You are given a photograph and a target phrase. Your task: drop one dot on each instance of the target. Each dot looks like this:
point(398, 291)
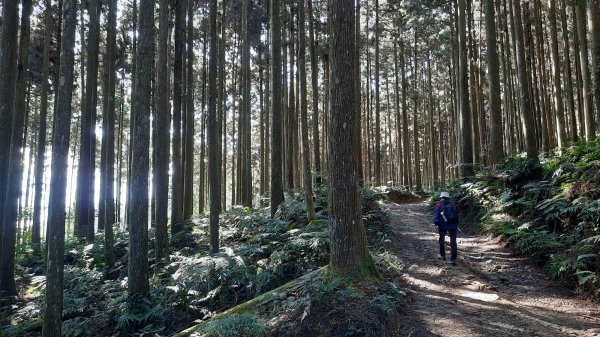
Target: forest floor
point(491, 291)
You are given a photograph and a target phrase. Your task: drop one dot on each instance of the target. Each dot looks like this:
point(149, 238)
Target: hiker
point(445, 218)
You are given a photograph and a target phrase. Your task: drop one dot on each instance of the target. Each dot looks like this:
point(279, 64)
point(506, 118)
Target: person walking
point(445, 218)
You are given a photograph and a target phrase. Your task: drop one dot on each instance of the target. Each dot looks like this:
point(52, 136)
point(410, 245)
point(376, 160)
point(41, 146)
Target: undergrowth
point(258, 254)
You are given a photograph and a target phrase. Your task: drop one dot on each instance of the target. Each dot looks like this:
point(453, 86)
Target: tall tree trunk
point(87, 153)
point(464, 122)
point(496, 144)
point(526, 114)
point(58, 183)
point(108, 134)
point(290, 155)
point(41, 142)
point(349, 253)
point(418, 178)
point(593, 13)
point(308, 191)
point(11, 205)
point(189, 144)
point(246, 182)
point(432, 131)
point(377, 103)
point(403, 178)
point(476, 146)
point(161, 148)
point(202, 176)
point(314, 76)
point(405, 135)
point(214, 150)
point(276, 108)
point(8, 62)
point(578, 75)
point(588, 104)
point(558, 98)
point(176, 147)
point(568, 76)
point(138, 285)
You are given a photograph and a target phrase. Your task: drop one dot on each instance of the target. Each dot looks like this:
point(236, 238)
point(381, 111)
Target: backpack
point(450, 214)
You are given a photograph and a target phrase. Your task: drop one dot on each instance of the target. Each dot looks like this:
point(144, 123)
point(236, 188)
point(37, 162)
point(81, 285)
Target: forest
point(269, 168)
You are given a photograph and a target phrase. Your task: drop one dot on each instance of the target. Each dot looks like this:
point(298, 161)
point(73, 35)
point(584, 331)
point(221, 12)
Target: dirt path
point(489, 293)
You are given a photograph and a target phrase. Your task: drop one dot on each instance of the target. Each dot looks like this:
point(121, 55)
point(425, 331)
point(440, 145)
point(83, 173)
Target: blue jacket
point(438, 219)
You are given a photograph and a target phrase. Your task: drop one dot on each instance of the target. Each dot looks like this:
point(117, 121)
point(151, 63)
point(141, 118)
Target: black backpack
point(449, 212)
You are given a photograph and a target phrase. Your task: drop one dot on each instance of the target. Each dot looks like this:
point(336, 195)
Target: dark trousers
point(453, 247)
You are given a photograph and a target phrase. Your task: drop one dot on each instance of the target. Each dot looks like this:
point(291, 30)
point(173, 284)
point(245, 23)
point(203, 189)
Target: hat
point(444, 195)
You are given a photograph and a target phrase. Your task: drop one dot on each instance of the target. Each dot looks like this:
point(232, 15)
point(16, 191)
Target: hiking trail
point(491, 292)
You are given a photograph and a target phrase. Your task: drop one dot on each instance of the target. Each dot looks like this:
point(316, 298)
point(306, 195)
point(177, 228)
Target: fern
point(236, 325)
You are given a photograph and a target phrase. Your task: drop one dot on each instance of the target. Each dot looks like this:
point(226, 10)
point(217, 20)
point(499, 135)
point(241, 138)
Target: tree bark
point(58, 182)
point(276, 108)
point(593, 14)
point(214, 150)
point(41, 142)
point(526, 114)
point(11, 205)
point(418, 178)
point(87, 152)
point(176, 147)
point(161, 148)
point(377, 103)
point(308, 190)
point(246, 182)
point(138, 285)
point(588, 104)
point(464, 122)
point(496, 139)
point(189, 144)
point(568, 75)
point(314, 76)
point(8, 62)
point(108, 135)
point(558, 98)
point(349, 253)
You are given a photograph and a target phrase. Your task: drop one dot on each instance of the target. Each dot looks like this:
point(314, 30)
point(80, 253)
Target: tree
point(161, 148)
point(87, 151)
point(9, 221)
point(464, 121)
point(496, 141)
point(593, 14)
point(524, 95)
point(176, 147)
point(349, 253)
point(246, 158)
point(214, 149)
point(188, 184)
point(588, 104)
point(8, 59)
point(138, 286)
point(314, 77)
point(558, 99)
point(308, 191)
point(108, 135)
point(58, 182)
point(276, 107)
point(377, 103)
point(41, 142)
